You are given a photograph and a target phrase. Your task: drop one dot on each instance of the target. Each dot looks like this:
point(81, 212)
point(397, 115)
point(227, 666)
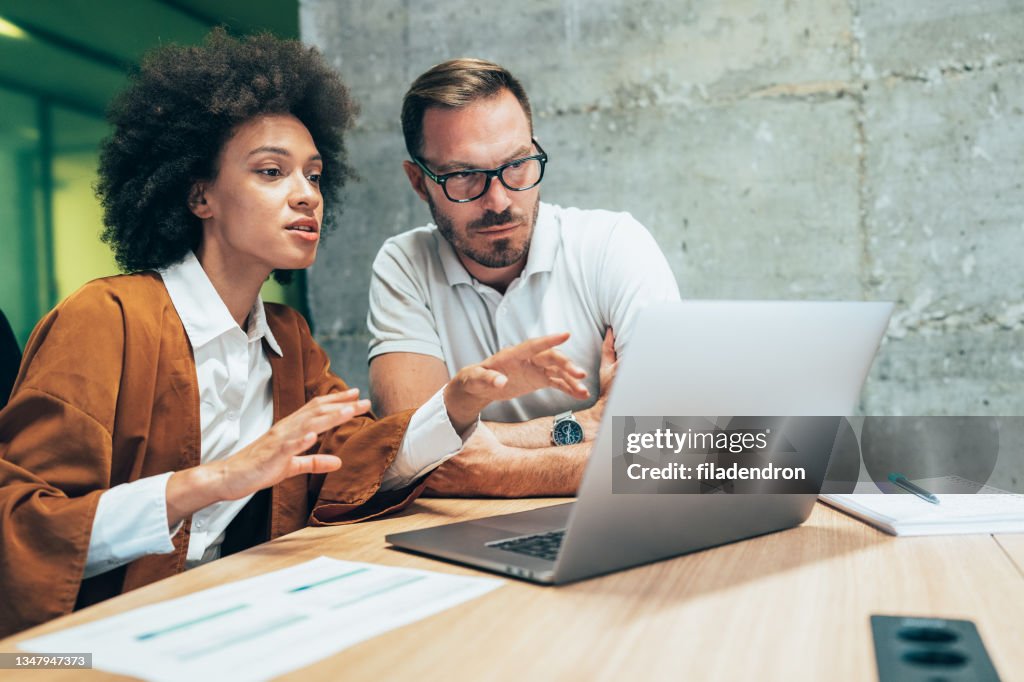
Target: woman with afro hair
point(166, 417)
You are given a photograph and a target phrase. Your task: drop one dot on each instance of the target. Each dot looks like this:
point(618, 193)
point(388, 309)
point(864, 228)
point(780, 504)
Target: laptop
point(692, 358)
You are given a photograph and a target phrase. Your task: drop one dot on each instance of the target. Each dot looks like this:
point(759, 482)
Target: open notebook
point(988, 510)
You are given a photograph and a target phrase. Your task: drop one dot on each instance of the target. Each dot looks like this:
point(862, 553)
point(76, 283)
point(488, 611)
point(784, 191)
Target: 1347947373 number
point(15, 661)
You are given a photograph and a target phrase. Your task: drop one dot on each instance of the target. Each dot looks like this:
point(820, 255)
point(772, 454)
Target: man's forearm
point(539, 472)
point(558, 473)
point(536, 433)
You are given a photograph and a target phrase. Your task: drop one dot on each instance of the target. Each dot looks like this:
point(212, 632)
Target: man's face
point(492, 233)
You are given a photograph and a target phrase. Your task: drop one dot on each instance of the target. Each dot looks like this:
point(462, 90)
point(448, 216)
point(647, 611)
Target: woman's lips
point(307, 236)
point(308, 225)
point(306, 229)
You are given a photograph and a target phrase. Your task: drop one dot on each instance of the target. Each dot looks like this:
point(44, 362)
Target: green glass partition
point(26, 287)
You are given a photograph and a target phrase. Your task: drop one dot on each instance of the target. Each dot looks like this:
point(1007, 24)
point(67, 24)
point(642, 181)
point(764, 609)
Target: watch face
point(568, 432)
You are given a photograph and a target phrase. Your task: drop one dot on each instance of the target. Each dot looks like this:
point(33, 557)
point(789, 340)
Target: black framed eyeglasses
point(463, 186)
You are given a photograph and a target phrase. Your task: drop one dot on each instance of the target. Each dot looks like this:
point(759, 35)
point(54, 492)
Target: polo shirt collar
point(544, 244)
point(201, 309)
point(543, 249)
point(454, 270)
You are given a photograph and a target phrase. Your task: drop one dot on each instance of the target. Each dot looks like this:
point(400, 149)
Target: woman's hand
point(278, 454)
point(510, 373)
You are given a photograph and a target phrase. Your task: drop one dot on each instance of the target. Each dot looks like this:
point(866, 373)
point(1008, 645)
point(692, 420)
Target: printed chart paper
point(266, 626)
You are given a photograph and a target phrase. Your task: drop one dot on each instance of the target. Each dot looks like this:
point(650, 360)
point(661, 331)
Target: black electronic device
point(930, 649)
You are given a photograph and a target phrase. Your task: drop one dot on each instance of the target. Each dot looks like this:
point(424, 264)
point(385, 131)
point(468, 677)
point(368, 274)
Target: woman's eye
point(272, 172)
point(314, 178)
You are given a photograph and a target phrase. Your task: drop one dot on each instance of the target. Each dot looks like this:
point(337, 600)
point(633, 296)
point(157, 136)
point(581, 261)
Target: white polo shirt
point(586, 271)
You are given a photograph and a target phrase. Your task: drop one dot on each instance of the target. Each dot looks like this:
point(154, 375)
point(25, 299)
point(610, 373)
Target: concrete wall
point(840, 149)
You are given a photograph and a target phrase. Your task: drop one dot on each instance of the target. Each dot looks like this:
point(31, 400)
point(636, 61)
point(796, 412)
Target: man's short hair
point(452, 85)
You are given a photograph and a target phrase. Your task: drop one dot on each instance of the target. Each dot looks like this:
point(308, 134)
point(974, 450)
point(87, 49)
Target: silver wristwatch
point(566, 430)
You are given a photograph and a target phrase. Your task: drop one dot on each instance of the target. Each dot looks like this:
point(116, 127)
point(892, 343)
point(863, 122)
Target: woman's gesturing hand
point(510, 373)
point(278, 454)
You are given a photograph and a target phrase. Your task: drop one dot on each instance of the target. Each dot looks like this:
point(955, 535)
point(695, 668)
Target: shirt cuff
point(429, 441)
point(130, 522)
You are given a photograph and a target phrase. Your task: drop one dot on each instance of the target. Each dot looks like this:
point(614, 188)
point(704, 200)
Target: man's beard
point(502, 252)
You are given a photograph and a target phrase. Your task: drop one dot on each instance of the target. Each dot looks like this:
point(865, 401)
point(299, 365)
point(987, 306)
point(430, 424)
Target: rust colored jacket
point(107, 394)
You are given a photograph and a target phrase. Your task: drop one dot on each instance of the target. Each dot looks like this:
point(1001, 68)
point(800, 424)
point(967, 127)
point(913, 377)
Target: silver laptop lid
point(718, 358)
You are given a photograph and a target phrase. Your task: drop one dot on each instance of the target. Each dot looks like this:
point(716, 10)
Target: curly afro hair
point(180, 109)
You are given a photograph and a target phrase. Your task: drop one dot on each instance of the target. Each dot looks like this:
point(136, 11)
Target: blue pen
point(903, 482)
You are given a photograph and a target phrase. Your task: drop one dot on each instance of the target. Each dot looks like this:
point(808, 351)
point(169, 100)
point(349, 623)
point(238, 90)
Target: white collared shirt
point(235, 408)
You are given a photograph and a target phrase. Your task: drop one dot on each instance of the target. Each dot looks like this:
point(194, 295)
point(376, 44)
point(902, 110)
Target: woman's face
point(264, 209)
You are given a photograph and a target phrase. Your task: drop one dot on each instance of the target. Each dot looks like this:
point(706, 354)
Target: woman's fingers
point(558, 366)
point(563, 374)
point(281, 452)
point(313, 464)
point(297, 446)
point(557, 360)
point(561, 384)
point(324, 413)
point(543, 343)
point(332, 398)
point(328, 416)
point(480, 379)
point(573, 388)
point(520, 369)
point(329, 404)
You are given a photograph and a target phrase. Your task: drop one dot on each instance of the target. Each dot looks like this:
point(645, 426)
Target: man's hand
point(278, 454)
point(590, 418)
point(480, 469)
point(510, 373)
point(487, 468)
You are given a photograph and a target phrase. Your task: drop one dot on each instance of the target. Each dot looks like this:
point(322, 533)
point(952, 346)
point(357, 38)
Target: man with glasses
point(498, 267)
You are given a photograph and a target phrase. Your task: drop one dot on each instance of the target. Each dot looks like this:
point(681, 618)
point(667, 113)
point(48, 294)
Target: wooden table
point(792, 605)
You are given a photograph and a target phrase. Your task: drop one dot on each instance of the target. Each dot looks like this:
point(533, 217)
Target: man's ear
point(416, 178)
point(197, 201)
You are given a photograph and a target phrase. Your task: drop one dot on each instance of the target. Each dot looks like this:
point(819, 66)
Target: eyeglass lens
point(517, 176)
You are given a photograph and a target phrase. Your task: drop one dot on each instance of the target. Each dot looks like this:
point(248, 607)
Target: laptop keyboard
point(543, 545)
